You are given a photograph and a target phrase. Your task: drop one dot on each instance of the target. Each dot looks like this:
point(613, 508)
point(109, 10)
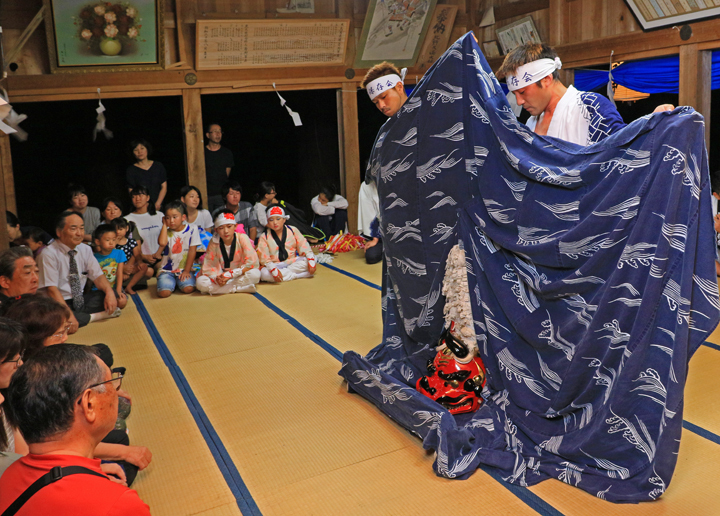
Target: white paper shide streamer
point(295, 116)
point(100, 126)
point(10, 120)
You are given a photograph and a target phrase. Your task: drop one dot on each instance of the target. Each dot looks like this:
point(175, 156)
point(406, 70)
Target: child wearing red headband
point(284, 253)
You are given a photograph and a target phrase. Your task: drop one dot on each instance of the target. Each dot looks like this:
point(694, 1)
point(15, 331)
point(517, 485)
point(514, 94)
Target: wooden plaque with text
point(227, 44)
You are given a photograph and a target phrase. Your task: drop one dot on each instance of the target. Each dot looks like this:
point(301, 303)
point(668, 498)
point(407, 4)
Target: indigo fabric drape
point(591, 276)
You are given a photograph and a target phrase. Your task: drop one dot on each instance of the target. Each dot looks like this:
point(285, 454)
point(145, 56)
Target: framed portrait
point(394, 31)
point(653, 14)
point(516, 34)
point(104, 36)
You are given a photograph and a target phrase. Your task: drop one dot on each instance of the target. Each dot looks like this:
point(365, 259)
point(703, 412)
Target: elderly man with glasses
point(64, 401)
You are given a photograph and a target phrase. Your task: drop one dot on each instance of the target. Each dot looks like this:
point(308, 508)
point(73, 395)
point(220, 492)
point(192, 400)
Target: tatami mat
point(161, 421)
point(301, 443)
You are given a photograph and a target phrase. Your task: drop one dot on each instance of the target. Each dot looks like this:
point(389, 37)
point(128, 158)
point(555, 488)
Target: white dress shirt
point(338, 202)
point(54, 267)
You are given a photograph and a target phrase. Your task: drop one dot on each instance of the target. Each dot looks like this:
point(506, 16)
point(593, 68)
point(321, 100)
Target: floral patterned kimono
point(299, 256)
point(244, 267)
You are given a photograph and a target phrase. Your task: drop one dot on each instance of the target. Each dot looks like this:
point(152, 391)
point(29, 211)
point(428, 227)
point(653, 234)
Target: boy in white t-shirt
point(178, 241)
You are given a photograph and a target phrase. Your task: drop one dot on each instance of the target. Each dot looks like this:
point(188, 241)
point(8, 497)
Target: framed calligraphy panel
point(438, 36)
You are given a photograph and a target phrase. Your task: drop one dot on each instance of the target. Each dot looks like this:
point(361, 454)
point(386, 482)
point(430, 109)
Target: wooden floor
point(239, 400)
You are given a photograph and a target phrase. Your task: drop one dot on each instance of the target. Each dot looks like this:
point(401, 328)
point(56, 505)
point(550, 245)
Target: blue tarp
point(659, 75)
point(591, 272)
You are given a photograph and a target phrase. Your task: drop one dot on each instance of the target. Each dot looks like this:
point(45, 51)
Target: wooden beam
point(628, 46)
point(194, 146)
point(558, 22)
point(6, 173)
point(349, 136)
point(182, 54)
point(695, 82)
point(504, 12)
point(25, 36)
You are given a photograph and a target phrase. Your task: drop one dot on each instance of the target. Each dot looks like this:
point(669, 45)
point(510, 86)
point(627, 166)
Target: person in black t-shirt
point(146, 172)
point(218, 163)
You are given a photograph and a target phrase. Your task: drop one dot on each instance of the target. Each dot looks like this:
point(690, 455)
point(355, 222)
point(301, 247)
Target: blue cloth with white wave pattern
point(591, 274)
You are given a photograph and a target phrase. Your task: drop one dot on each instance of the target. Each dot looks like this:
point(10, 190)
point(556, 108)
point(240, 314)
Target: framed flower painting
point(95, 35)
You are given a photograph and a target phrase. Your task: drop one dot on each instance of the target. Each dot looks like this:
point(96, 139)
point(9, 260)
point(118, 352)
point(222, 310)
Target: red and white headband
point(277, 211)
point(223, 219)
point(532, 72)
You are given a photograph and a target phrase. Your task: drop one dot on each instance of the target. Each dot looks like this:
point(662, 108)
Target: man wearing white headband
point(231, 263)
point(584, 118)
point(384, 85)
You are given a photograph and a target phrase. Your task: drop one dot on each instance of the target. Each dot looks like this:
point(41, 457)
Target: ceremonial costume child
point(231, 263)
point(284, 253)
point(178, 241)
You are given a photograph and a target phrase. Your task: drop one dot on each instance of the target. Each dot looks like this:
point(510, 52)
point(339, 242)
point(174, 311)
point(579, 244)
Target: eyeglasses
point(63, 333)
point(117, 376)
point(16, 362)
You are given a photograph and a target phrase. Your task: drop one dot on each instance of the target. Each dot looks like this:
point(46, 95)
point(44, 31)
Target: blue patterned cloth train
point(592, 278)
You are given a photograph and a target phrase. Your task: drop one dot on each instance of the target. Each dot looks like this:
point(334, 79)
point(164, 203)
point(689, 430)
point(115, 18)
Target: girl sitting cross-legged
point(284, 253)
point(231, 263)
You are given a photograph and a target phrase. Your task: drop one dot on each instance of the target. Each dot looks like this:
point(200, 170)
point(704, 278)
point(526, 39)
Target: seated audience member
point(18, 273)
point(330, 211)
point(110, 209)
point(148, 222)
point(13, 227)
point(243, 211)
point(265, 197)
point(79, 202)
point(134, 268)
point(36, 239)
point(46, 322)
point(64, 401)
point(64, 268)
point(178, 243)
point(374, 246)
point(231, 263)
point(191, 196)
point(110, 259)
point(12, 345)
point(284, 253)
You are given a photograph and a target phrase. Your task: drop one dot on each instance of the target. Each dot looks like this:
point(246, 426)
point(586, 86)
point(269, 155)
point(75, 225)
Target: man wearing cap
point(531, 71)
point(231, 263)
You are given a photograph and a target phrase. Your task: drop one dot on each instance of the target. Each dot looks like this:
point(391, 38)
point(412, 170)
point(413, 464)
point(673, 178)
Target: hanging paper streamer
point(100, 126)
point(295, 116)
point(10, 120)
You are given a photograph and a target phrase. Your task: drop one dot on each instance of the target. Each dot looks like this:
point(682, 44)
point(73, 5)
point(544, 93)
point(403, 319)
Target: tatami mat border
point(237, 486)
point(711, 345)
point(524, 494)
point(353, 276)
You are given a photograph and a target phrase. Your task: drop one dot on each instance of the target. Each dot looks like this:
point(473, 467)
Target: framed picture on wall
point(652, 14)
point(111, 36)
point(394, 31)
point(517, 33)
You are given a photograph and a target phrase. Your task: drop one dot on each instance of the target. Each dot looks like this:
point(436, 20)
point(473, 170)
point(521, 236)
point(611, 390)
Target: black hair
point(60, 220)
point(187, 189)
point(715, 181)
point(329, 192)
point(40, 315)
point(43, 392)
point(144, 143)
point(73, 190)
point(120, 223)
point(208, 126)
point(12, 219)
point(12, 344)
point(230, 185)
point(143, 190)
point(176, 205)
point(8, 257)
point(101, 230)
point(106, 202)
point(35, 233)
point(265, 188)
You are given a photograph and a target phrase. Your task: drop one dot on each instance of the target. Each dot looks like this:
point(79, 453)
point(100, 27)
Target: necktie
point(75, 286)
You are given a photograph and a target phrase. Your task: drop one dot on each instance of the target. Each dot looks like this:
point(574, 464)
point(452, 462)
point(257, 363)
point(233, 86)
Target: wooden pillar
point(194, 146)
point(695, 82)
point(4, 156)
point(349, 142)
point(558, 22)
point(6, 172)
